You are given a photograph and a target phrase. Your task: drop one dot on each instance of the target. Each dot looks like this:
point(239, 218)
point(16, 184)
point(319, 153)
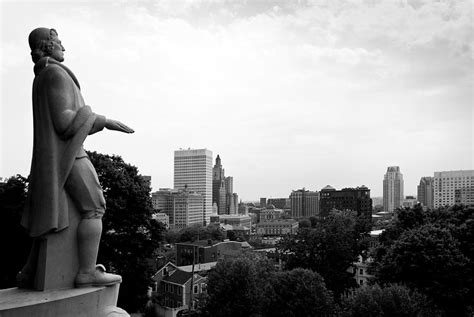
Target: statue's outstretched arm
point(117, 126)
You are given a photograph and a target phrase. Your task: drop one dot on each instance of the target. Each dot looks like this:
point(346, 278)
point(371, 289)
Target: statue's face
point(58, 50)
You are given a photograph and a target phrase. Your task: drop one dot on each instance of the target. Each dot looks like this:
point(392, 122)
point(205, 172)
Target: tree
point(428, 258)
point(198, 232)
point(391, 300)
point(130, 235)
point(14, 255)
point(235, 287)
point(329, 249)
point(298, 292)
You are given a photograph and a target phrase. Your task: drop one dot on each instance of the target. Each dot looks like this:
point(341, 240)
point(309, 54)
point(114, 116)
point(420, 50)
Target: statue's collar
point(46, 61)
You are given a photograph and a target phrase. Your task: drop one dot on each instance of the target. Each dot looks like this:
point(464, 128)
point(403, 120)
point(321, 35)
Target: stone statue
point(60, 169)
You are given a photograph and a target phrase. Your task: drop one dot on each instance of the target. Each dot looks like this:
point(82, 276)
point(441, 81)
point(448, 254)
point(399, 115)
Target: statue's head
point(45, 42)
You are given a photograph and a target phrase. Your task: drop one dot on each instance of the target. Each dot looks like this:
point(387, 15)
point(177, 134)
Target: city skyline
point(291, 94)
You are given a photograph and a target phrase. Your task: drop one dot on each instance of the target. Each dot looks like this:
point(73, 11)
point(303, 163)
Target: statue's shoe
point(97, 278)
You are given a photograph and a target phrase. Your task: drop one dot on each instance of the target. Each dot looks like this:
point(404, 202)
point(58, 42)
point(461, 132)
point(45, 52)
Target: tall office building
point(193, 170)
point(392, 189)
point(184, 208)
point(355, 199)
point(304, 203)
point(223, 190)
point(218, 187)
point(425, 193)
point(448, 185)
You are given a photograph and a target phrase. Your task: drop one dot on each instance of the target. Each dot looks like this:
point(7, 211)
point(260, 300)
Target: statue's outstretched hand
point(117, 126)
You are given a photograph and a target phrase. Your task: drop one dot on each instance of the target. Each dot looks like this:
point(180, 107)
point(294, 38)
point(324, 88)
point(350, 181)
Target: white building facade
point(392, 189)
point(447, 183)
point(193, 170)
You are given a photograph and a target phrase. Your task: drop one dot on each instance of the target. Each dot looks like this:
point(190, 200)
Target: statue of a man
point(60, 167)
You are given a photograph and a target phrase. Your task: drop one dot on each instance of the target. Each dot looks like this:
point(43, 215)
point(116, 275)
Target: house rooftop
point(178, 277)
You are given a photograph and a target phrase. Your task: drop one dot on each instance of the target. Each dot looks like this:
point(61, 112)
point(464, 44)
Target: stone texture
point(92, 301)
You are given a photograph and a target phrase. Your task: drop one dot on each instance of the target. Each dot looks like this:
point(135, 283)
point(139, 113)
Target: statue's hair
point(43, 47)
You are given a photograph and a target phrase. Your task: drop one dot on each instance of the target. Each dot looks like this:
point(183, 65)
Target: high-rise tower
point(392, 189)
point(425, 193)
point(193, 170)
point(218, 187)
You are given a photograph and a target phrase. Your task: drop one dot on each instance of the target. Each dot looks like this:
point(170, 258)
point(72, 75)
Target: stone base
point(91, 301)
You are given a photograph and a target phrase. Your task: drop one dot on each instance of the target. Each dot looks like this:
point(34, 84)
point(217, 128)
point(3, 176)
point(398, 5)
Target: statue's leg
point(84, 188)
point(88, 236)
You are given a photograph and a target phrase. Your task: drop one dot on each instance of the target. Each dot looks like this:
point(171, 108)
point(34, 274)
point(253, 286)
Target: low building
point(184, 208)
point(271, 213)
point(233, 220)
point(409, 202)
point(177, 289)
point(277, 227)
point(360, 271)
point(205, 251)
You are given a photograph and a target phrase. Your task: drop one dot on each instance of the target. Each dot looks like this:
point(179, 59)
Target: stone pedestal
point(91, 301)
point(58, 262)
point(53, 292)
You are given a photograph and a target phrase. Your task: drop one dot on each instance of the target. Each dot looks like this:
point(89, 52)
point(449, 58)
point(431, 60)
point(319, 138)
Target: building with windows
point(304, 203)
point(392, 189)
point(206, 251)
point(184, 208)
point(447, 183)
point(425, 192)
point(193, 170)
point(355, 199)
point(218, 186)
point(277, 227)
point(223, 190)
point(271, 213)
point(233, 220)
point(409, 202)
point(177, 289)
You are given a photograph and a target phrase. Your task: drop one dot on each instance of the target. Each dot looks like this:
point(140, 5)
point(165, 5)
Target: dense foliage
point(329, 248)
point(433, 253)
point(130, 235)
point(250, 286)
point(15, 242)
point(391, 300)
point(197, 232)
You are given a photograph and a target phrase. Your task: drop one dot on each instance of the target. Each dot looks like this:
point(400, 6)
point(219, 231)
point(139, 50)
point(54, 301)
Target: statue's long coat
point(61, 123)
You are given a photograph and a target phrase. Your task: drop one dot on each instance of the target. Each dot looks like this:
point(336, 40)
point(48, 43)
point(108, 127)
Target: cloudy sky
point(291, 94)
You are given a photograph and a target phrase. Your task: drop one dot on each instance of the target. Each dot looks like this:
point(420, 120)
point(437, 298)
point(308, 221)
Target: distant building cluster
point(203, 194)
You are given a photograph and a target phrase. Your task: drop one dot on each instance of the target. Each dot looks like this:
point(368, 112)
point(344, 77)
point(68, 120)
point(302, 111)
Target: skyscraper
point(218, 187)
point(223, 190)
point(448, 185)
point(392, 189)
point(193, 169)
point(304, 203)
point(425, 193)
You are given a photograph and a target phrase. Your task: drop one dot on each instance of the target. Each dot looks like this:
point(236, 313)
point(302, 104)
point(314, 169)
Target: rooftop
point(178, 277)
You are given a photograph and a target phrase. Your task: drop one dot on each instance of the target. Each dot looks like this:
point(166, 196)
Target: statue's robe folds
point(61, 123)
